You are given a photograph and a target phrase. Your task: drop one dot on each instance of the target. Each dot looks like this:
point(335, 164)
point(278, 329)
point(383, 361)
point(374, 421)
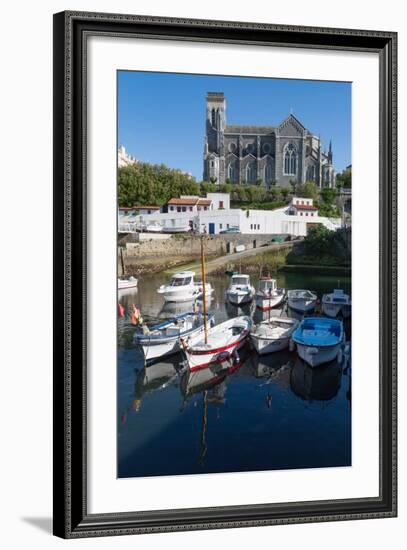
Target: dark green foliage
point(153, 184)
point(323, 247)
point(344, 179)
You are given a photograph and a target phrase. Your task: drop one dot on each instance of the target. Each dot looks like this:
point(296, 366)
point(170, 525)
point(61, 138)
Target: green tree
point(285, 192)
point(328, 195)
point(307, 190)
point(344, 179)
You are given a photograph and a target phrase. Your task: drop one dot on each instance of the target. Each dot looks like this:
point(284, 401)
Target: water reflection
point(316, 384)
point(250, 414)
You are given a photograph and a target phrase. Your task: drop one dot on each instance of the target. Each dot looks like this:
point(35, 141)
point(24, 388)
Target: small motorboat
point(268, 295)
point(336, 303)
point(302, 301)
point(181, 288)
point(240, 290)
point(154, 228)
point(164, 339)
point(319, 340)
point(220, 343)
point(176, 228)
point(273, 334)
point(124, 284)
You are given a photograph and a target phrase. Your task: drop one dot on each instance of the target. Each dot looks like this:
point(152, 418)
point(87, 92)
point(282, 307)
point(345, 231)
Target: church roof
point(247, 129)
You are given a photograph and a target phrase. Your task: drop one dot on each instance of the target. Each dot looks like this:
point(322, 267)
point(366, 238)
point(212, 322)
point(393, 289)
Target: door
point(211, 228)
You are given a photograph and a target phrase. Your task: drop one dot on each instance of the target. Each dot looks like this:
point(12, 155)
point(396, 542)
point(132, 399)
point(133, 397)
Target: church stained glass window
point(290, 160)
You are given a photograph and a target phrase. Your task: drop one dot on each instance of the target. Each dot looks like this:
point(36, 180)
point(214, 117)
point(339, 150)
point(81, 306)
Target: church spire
point(330, 156)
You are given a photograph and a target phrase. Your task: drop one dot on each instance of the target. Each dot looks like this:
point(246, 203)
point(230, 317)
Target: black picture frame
point(71, 519)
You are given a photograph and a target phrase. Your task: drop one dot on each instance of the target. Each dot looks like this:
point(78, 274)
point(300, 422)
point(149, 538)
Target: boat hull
point(239, 298)
point(202, 360)
point(333, 310)
point(125, 285)
point(265, 303)
point(182, 295)
point(301, 305)
point(156, 348)
point(264, 345)
point(315, 356)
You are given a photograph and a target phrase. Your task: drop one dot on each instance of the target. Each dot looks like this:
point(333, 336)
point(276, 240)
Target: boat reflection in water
point(316, 384)
point(155, 377)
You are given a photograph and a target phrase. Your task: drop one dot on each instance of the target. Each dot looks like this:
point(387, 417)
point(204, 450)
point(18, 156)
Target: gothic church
point(249, 154)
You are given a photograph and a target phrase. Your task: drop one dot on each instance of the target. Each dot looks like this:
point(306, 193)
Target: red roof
point(304, 207)
point(204, 202)
point(185, 202)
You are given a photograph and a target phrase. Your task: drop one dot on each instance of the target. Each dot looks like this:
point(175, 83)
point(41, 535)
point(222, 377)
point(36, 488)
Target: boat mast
point(204, 288)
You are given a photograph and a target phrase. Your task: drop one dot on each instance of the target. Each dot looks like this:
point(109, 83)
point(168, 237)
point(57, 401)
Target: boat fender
point(340, 356)
point(291, 345)
point(121, 310)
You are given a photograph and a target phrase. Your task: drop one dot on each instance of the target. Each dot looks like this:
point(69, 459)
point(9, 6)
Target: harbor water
point(263, 413)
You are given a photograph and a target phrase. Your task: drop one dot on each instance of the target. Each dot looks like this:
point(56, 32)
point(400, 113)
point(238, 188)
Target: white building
point(142, 210)
point(218, 217)
point(193, 203)
point(304, 207)
point(123, 158)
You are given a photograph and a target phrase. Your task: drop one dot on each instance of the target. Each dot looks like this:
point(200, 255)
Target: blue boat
point(164, 339)
point(319, 340)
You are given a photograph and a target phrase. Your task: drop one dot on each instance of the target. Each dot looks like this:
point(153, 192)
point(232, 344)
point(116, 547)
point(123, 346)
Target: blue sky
point(161, 117)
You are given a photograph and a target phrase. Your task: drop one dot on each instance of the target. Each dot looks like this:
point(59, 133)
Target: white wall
point(26, 280)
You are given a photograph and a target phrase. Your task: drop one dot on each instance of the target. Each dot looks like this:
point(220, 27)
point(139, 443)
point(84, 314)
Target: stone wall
point(190, 245)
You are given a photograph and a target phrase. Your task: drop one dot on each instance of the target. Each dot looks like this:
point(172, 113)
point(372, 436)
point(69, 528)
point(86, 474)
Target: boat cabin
point(337, 297)
point(240, 280)
point(183, 278)
point(266, 284)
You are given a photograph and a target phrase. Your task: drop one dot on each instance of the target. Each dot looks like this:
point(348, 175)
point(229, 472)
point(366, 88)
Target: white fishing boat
point(218, 344)
point(164, 339)
point(336, 303)
point(124, 284)
point(273, 335)
point(319, 340)
point(176, 228)
point(154, 228)
point(268, 296)
point(303, 301)
point(181, 288)
point(240, 290)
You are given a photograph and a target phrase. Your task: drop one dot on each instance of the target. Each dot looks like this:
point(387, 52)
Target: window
point(290, 160)
point(232, 172)
point(268, 173)
point(306, 213)
point(205, 208)
point(227, 226)
point(220, 204)
point(300, 213)
point(178, 209)
point(251, 226)
point(312, 213)
point(220, 226)
point(191, 208)
point(213, 117)
point(258, 226)
point(184, 208)
point(251, 172)
point(199, 208)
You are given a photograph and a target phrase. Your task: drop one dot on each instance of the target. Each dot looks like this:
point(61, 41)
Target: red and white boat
point(220, 343)
point(268, 296)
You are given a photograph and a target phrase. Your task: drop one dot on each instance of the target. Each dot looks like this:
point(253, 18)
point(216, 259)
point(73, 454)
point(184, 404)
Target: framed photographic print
point(225, 274)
